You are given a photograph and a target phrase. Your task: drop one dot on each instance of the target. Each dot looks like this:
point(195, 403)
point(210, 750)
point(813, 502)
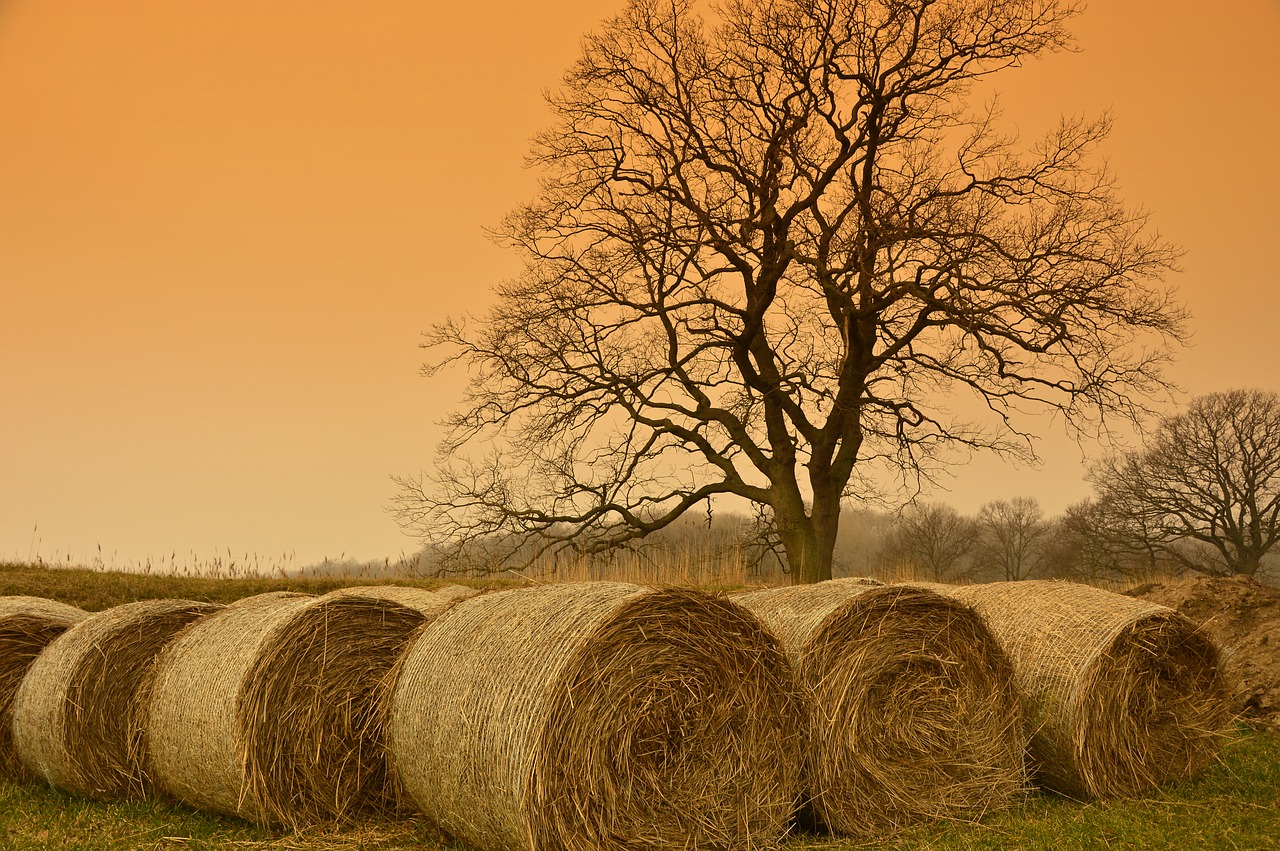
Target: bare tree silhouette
point(1011, 537)
point(769, 243)
point(935, 539)
point(1205, 489)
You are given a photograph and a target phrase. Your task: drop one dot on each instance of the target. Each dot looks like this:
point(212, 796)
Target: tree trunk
point(808, 562)
point(808, 541)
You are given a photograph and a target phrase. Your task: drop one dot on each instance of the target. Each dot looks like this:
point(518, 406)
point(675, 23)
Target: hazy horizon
point(224, 226)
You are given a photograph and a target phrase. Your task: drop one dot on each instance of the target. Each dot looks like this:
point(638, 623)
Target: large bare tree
point(776, 251)
point(1205, 489)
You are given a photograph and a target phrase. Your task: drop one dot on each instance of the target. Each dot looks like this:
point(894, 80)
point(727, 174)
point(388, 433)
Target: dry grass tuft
point(76, 717)
point(910, 707)
point(270, 710)
point(598, 716)
point(27, 625)
point(1121, 694)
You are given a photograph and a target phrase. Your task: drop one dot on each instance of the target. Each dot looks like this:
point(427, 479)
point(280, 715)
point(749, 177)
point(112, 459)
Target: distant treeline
point(1004, 540)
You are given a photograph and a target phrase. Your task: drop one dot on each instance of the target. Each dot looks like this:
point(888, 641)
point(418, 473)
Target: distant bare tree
point(768, 246)
point(1205, 489)
point(1081, 545)
point(934, 538)
point(1091, 541)
point(1011, 534)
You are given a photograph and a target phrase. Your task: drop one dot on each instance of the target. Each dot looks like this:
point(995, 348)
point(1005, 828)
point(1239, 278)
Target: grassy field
point(1235, 805)
point(97, 590)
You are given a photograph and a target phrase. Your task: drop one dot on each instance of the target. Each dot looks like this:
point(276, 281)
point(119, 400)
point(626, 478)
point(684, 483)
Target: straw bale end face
point(911, 712)
point(27, 626)
point(706, 719)
point(1154, 706)
point(274, 709)
point(313, 706)
point(191, 725)
point(599, 716)
point(1121, 695)
point(76, 716)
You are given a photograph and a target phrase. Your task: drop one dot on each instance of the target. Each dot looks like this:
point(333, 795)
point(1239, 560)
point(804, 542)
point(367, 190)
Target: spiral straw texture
point(1121, 694)
point(271, 709)
point(910, 708)
point(315, 704)
point(27, 625)
point(76, 718)
point(193, 722)
point(598, 716)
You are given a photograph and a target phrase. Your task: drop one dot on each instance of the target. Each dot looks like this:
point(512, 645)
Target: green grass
point(1234, 805)
point(33, 817)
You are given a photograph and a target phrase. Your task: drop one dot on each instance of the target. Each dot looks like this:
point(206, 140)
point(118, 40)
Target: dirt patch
point(1243, 616)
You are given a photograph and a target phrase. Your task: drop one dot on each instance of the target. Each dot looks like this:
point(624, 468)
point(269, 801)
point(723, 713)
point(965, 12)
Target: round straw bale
point(27, 625)
point(910, 707)
point(192, 742)
point(1121, 694)
point(75, 719)
point(314, 704)
point(269, 709)
point(598, 716)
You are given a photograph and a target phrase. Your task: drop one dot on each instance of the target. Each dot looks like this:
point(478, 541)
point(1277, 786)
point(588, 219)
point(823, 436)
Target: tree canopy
point(777, 252)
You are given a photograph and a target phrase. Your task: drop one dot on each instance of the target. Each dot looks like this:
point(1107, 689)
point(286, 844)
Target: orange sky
point(223, 225)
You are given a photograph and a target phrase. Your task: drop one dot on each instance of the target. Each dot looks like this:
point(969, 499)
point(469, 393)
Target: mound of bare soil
point(1243, 616)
